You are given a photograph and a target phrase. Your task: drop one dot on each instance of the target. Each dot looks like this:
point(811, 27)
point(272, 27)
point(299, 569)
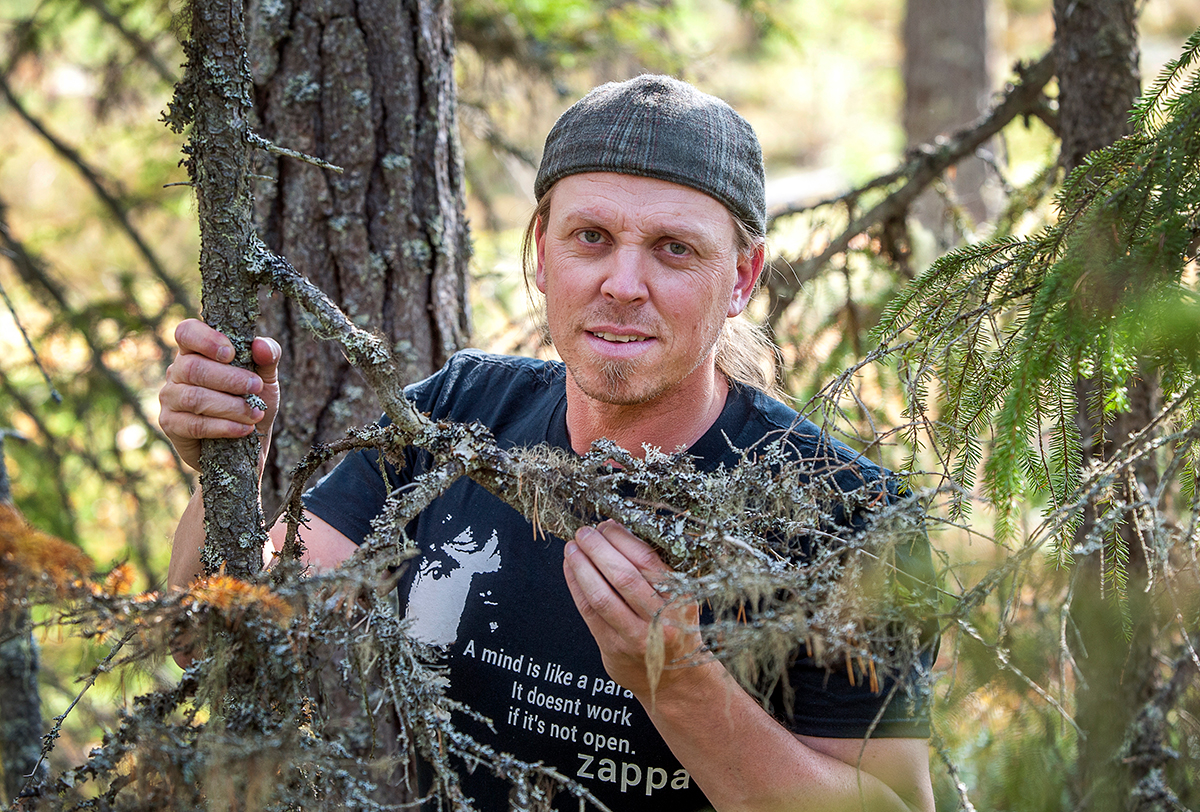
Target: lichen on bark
point(214, 98)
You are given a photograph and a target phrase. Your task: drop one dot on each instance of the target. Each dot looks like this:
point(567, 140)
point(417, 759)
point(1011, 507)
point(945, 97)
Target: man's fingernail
point(225, 354)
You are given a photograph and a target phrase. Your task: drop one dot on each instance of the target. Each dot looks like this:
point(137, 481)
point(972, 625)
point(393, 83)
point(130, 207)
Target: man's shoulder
point(476, 385)
point(770, 424)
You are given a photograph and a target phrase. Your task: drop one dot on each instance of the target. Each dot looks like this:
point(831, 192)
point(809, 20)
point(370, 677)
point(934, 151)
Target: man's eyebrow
point(588, 214)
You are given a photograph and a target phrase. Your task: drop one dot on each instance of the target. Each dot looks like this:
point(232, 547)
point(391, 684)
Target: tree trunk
point(20, 703)
point(215, 95)
point(368, 86)
point(1096, 52)
point(1097, 56)
point(946, 86)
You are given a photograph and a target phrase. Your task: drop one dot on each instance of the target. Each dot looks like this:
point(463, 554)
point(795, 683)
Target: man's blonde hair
point(744, 351)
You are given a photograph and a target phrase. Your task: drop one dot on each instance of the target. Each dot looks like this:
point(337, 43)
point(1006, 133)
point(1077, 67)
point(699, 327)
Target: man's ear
point(539, 241)
point(749, 269)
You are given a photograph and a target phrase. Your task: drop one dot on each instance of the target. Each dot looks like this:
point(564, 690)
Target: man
point(647, 242)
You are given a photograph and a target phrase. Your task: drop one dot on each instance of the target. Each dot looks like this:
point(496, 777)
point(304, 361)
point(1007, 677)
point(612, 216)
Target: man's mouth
point(620, 339)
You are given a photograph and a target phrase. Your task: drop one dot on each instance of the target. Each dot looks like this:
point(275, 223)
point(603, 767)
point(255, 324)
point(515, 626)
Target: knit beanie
point(660, 127)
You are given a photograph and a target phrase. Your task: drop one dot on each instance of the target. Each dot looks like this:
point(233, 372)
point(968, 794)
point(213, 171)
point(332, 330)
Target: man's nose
point(625, 277)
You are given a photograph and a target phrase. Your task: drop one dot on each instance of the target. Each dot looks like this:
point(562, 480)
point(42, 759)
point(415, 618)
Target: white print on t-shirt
point(439, 589)
point(589, 711)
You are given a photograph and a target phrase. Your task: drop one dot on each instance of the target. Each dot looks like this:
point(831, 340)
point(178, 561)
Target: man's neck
point(671, 422)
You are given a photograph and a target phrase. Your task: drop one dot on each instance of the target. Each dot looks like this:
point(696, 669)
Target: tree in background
point(373, 92)
point(1114, 643)
point(946, 85)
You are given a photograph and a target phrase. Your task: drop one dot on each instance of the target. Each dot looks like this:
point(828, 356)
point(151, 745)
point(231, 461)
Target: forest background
point(101, 251)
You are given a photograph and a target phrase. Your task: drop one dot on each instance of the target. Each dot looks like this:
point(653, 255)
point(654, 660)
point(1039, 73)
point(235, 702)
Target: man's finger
point(197, 370)
point(624, 576)
point(633, 548)
point(605, 611)
point(194, 336)
point(266, 352)
point(184, 399)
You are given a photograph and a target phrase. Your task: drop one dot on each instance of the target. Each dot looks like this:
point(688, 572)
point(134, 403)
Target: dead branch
point(923, 165)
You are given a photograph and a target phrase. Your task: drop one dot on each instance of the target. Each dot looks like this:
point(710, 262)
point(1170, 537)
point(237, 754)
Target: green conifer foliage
point(1001, 330)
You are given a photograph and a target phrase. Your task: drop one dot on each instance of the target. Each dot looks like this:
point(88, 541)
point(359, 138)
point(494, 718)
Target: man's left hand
point(617, 580)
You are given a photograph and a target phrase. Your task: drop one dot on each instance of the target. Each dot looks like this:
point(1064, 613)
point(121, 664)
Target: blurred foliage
point(99, 262)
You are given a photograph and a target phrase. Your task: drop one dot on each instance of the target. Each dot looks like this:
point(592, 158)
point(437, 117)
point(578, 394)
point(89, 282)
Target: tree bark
point(216, 89)
point(1096, 51)
point(946, 86)
point(1097, 55)
point(20, 702)
point(368, 86)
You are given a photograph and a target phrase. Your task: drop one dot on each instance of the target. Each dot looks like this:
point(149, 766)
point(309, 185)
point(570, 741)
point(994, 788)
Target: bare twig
point(923, 166)
point(255, 140)
point(54, 395)
point(118, 208)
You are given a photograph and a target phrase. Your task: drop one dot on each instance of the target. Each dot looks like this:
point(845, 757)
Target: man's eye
point(591, 236)
point(676, 249)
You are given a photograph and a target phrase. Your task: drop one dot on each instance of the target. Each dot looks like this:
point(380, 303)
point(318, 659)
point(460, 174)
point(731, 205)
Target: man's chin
point(616, 383)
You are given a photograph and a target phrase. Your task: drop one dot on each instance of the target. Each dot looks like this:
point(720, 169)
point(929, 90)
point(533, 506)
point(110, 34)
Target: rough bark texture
point(20, 703)
point(1096, 50)
point(946, 84)
point(1097, 55)
point(368, 86)
point(219, 164)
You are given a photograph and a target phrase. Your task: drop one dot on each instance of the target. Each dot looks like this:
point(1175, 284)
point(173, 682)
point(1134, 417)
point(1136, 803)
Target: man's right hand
point(205, 398)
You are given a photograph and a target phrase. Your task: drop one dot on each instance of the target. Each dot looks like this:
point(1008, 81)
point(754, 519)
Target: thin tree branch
point(54, 394)
point(924, 165)
point(118, 208)
point(29, 269)
point(141, 46)
point(256, 140)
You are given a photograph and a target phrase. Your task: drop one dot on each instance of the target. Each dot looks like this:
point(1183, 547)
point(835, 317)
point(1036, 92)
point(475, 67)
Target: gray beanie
point(660, 127)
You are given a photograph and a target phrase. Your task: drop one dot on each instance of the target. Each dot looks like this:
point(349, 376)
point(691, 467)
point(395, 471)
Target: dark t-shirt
point(492, 593)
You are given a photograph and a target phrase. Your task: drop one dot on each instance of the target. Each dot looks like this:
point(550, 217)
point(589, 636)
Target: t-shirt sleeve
point(472, 386)
point(824, 703)
point(353, 493)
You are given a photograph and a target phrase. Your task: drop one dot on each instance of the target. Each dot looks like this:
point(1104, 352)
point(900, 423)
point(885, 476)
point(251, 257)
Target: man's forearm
point(185, 563)
point(745, 760)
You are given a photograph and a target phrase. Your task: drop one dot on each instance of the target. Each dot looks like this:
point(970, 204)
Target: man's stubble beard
point(615, 376)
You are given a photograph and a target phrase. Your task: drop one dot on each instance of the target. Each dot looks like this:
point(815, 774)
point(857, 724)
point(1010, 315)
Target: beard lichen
point(310, 693)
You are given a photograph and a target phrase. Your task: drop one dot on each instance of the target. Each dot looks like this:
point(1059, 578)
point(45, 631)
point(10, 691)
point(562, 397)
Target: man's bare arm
point(740, 756)
point(205, 397)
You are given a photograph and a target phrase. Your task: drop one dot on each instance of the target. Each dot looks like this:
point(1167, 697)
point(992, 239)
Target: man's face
point(639, 276)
